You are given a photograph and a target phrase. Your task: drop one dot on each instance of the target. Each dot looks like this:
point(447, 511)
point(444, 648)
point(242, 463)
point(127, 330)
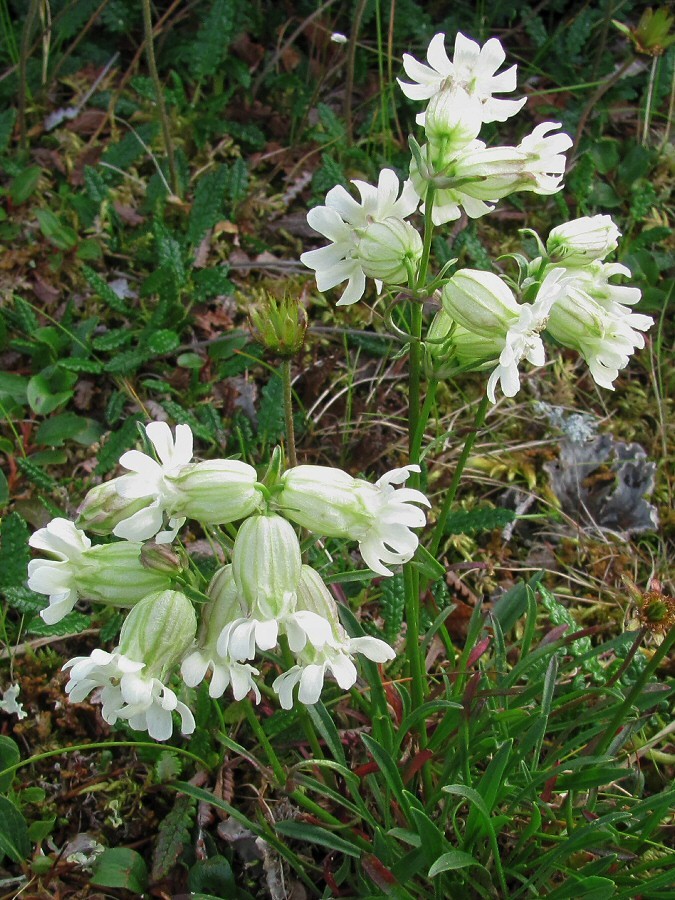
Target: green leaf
point(80, 364)
point(213, 875)
point(207, 207)
point(14, 386)
point(163, 341)
point(453, 859)
point(106, 293)
point(481, 518)
point(42, 398)
point(208, 50)
point(428, 565)
point(271, 411)
point(41, 829)
point(392, 605)
point(210, 283)
point(24, 184)
point(389, 770)
point(23, 599)
point(128, 362)
point(14, 840)
point(54, 432)
point(313, 834)
point(237, 182)
point(73, 623)
point(118, 442)
point(173, 836)
point(591, 888)
point(128, 150)
point(63, 237)
point(9, 756)
point(120, 867)
point(30, 468)
point(14, 551)
point(4, 489)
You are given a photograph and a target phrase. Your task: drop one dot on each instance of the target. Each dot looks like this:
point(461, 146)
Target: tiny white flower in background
point(473, 68)
point(9, 703)
point(343, 219)
point(321, 645)
point(339, 38)
point(582, 240)
point(590, 316)
point(225, 607)
point(111, 574)
point(330, 502)
point(149, 479)
point(155, 636)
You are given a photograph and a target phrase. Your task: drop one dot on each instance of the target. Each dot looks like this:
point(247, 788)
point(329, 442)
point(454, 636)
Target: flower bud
point(266, 564)
point(160, 558)
point(103, 508)
point(388, 250)
point(281, 324)
point(158, 631)
point(481, 302)
point(582, 240)
point(216, 491)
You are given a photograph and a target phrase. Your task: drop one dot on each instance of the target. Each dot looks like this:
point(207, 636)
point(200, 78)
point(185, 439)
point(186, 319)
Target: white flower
point(522, 340)
point(226, 606)
point(150, 479)
point(582, 240)
point(545, 159)
point(111, 574)
point(590, 316)
point(338, 38)
point(452, 117)
point(330, 502)
point(321, 645)
point(472, 68)
point(9, 703)
point(342, 220)
point(155, 636)
point(266, 565)
point(127, 693)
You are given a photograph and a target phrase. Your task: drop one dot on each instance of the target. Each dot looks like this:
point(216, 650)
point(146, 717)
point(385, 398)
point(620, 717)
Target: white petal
point(355, 289)
point(142, 525)
point(141, 463)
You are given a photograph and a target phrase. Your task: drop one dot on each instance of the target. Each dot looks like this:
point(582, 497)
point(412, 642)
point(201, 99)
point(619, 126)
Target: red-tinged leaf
point(328, 876)
point(554, 634)
point(366, 769)
point(547, 793)
point(378, 872)
point(478, 650)
point(416, 764)
point(394, 700)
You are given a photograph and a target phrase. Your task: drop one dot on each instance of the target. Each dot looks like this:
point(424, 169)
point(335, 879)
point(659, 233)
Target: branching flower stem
point(415, 430)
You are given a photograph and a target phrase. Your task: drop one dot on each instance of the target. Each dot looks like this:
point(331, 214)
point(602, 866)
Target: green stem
point(454, 484)
point(288, 412)
point(416, 449)
point(159, 94)
point(264, 741)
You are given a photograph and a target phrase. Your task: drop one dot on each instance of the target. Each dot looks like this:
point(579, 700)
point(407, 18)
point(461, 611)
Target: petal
point(187, 720)
point(372, 648)
point(355, 289)
point(341, 271)
point(344, 671)
point(339, 200)
point(311, 683)
point(437, 56)
point(266, 633)
point(159, 435)
point(159, 723)
point(184, 446)
point(328, 222)
point(193, 668)
point(141, 463)
point(142, 525)
point(491, 57)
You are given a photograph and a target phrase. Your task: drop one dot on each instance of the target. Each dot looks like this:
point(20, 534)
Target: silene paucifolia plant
point(265, 603)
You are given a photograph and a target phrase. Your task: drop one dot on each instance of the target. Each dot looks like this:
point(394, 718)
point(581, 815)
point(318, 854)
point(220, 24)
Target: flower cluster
point(567, 293)
point(373, 239)
point(486, 321)
point(264, 592)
